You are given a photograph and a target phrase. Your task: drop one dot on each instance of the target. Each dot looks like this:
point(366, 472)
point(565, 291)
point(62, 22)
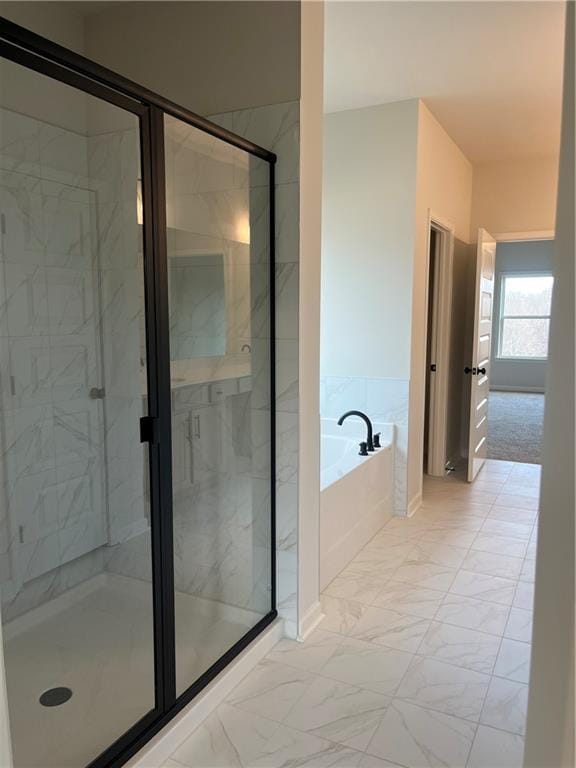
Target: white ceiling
point(491, 72)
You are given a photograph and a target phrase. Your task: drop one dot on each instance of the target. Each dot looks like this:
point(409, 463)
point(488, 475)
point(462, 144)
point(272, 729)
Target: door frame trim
point(521, 237)
point(440, 332)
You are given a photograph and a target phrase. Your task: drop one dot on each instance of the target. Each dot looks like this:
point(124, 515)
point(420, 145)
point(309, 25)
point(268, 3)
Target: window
point(524, 316)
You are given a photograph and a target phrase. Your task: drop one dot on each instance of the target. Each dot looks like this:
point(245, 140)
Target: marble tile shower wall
point(107, 230)
point(52, 522)
point(222, 534)
point(384, 400)
point(276, 127)
point(221, 517)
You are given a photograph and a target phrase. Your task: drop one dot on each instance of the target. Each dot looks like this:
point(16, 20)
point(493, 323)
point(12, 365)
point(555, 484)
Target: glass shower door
point(136, 404)
point(75, 558)
point(218, 223)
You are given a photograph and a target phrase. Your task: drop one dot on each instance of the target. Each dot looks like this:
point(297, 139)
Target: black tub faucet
point(369, 438)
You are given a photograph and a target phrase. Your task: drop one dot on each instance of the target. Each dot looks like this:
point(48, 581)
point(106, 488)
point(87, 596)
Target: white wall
point(550, 725)
point(311, 137)
point(33, 94)
point(444, 187)
point(517, 196)
point(211, 57)
point(369, 198)
point(368, 240)
point(522, 257)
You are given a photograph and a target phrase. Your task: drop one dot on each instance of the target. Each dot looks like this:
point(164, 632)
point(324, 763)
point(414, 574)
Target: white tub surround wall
point(385, 401)
point(356, 497)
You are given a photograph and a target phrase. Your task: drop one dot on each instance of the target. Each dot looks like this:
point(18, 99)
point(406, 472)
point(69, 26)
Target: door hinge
point(148, 429)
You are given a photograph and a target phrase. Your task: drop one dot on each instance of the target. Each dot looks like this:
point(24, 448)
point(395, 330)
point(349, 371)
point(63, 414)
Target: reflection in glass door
point(75, 563)
point(218, 216)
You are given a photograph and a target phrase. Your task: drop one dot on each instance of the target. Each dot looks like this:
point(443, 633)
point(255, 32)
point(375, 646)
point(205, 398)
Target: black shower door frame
point(30, 50)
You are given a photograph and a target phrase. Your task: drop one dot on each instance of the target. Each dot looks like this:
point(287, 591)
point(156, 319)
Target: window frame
point(502, 316)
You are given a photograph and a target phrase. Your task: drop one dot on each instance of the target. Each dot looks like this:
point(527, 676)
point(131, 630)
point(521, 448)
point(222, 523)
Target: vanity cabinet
point(198, 442)
point(196, 445)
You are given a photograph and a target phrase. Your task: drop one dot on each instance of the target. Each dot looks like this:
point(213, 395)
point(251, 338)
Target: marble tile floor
point(422, 658)
point(101, 647)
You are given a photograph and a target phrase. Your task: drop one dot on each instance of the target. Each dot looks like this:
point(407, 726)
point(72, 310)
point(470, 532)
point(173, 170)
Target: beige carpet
point(515, 422)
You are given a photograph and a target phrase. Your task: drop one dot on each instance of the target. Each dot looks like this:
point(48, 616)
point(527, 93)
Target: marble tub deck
point(422, 658)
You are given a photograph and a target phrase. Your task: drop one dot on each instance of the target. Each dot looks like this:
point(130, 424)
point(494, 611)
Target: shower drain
point(53, 697)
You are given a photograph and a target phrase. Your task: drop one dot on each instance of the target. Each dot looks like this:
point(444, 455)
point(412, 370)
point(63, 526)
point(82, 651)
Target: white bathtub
point(356, 492)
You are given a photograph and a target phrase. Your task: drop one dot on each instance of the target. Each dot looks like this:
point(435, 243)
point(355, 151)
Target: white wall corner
point(550, 720)
point(311, 137)
point(310, 621)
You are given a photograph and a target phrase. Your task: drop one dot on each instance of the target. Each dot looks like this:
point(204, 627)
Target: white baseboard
point(506, 388)
point(159, 749)
point(310, 621)
point(414, 504)
point(290, 629)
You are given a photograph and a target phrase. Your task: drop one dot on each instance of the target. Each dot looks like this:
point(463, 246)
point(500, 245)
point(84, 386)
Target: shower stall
point(137, 442)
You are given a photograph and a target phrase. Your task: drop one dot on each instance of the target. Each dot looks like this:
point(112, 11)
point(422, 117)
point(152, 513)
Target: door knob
point(470, 370)
point(481, 371)
point(96, 393)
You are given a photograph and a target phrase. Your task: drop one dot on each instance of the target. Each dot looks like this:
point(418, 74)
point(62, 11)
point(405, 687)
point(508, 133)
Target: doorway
point(438, 341)
point(522, 301)
point(137, 452)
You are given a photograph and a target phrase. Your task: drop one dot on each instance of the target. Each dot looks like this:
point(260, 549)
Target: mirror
point(197, 306)
point(209, 303)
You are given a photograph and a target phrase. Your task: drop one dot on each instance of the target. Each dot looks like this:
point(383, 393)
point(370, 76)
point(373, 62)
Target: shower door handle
point(148, 429)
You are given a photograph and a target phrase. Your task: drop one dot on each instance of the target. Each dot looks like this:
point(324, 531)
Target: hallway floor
point(422, 658)
point(515, 426)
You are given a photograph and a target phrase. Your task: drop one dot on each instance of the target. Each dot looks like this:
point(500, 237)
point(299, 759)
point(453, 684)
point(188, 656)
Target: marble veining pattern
point(400, 674)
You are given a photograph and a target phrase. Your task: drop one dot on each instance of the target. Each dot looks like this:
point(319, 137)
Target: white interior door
point(51, 420)
point(479, 366)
